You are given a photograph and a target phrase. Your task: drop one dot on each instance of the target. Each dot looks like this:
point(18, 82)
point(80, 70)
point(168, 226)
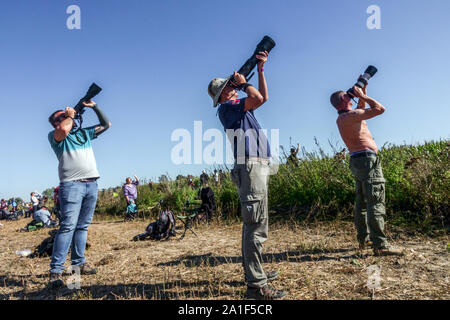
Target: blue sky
point(154, 61)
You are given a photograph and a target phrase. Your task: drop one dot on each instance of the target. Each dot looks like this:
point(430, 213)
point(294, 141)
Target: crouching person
point(78, 188)
point(43, 215)
point(366, 168)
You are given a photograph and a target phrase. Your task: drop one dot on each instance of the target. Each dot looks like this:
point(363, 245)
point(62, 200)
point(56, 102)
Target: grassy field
point(316, 261)
point(311, 241)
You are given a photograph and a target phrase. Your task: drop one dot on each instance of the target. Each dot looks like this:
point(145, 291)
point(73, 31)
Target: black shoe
point(272, 275)
point(55, 281)
point(85, 269)
point(264, 293)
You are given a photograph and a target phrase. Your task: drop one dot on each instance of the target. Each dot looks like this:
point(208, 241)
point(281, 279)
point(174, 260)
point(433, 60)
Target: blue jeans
point(77, 202)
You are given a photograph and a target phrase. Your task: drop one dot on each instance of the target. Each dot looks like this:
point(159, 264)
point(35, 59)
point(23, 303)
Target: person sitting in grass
point(43, 215)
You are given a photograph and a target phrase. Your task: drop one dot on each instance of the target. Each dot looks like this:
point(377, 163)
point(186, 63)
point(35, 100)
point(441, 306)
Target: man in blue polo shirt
point(250, 172)
point(78, 187)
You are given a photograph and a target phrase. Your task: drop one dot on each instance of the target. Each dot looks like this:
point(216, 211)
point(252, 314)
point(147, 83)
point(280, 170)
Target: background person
point(44, 216)
point(365, 166)
point(293, 159)
point(204, 178)
point(130, 189)
point(78, 189)
point(4, 212)
point(216, 176)
point(34, 201)
point(237, 115)
point(150, 185)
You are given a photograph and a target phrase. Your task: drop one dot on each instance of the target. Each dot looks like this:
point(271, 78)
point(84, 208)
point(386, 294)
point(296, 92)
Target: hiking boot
point(264, 293)
point(388, 251)
point(363, 245)
point(56, 281)
point(85, 269)
point(272, 275)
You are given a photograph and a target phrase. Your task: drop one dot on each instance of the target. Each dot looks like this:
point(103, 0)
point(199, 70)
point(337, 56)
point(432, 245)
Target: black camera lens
point(364, 79)
point(266, 44)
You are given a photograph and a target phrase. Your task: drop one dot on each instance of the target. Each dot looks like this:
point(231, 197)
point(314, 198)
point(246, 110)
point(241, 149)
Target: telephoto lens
point(266, 44)
point(363, 80)
point(369, 73)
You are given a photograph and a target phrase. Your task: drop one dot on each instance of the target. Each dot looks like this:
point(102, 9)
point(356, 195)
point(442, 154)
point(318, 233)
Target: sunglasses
point(60, 118)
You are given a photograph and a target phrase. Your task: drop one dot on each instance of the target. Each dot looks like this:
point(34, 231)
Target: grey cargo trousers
point(251, 179)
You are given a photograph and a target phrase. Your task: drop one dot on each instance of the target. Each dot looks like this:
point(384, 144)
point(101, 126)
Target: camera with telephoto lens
point(92, 92)
point(363, 80)
point(79, 107)
point(266, 44)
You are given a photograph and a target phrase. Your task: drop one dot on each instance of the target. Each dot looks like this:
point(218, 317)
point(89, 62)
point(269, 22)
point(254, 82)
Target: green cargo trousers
point(251, 179)
point(370, 196)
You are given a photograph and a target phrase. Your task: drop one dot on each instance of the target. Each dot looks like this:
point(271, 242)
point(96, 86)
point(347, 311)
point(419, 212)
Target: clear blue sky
point(154, 60)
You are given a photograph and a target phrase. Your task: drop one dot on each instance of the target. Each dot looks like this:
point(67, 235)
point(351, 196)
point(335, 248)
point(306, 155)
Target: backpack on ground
point(161, 229)
point(45, 248)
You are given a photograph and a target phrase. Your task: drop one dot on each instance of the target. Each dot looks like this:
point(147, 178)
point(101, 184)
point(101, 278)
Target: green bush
point(321, 186)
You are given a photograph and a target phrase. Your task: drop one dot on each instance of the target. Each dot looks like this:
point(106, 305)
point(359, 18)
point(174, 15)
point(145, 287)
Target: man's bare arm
point(376, 108)
point(62, 130)
point(256, 97)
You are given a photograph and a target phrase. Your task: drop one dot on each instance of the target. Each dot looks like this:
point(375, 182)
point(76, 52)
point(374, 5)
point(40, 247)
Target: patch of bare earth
point(315, 261)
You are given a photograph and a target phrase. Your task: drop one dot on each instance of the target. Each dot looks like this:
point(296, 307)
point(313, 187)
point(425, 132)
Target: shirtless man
point(366, 168)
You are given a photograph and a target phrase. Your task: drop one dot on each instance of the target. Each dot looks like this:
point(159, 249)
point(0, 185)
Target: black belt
point(363, 154)
point(87, 180)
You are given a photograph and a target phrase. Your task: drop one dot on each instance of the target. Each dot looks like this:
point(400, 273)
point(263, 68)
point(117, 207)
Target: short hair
point(50, 119)
point(336, 98)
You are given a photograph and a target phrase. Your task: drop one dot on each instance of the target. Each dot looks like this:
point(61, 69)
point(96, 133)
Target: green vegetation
point(321, 187)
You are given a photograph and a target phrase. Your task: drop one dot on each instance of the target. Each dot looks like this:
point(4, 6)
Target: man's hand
point(63, 128)
point(89, 104)
point(262, 57)
point(70, 112)
point(238, 79)
point(359, 93)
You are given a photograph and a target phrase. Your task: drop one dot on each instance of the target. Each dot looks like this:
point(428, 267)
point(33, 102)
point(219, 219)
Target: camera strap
point(250, 76)
point(342, 111)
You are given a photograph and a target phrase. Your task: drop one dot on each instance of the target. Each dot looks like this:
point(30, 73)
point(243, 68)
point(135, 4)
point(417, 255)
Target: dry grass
point(316, 261)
